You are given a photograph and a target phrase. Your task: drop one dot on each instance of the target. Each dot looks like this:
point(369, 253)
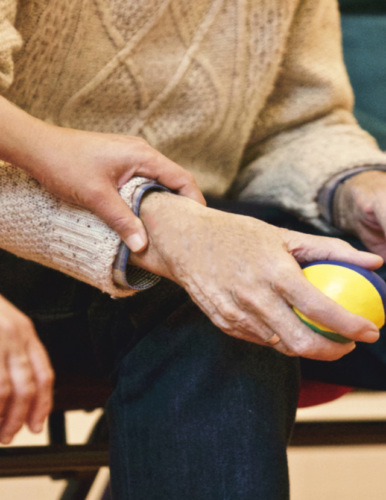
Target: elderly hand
point(360, 209)
point(26, 376)
point(88, 168)
point(244, 275)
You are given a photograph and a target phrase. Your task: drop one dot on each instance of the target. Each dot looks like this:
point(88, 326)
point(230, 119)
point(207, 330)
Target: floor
point(346, 472)
point(78, 425)
point(342, 473)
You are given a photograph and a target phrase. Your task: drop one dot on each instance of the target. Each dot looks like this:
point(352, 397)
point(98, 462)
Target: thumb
point(113, 210)
point(308, 248)
point(336, 249)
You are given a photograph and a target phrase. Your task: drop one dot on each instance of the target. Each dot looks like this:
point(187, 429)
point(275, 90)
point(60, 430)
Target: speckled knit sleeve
point(309, 132)
point(37, 226)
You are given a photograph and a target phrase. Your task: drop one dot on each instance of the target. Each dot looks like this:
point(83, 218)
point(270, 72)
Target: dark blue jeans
point(199, 415)
point(195, 413)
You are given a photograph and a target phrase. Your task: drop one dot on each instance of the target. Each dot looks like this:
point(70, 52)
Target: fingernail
point(136, 242)
point(6, 439)
point(37, 427)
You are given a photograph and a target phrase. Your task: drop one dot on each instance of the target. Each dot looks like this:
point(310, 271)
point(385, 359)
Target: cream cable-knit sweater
point(250, 95)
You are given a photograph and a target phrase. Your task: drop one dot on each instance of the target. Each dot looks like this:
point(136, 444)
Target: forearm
point(37, 226)
point(23, 138)
point(306, 133)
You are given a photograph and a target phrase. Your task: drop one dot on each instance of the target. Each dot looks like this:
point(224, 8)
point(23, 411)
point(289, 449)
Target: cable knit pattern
point(250, 95)
point(10, 41)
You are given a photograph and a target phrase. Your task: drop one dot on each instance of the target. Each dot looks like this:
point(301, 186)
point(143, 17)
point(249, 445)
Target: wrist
point(125, 274)
point(349, 202)
point(166, 215)
point(23, 138)
point(170, 221)
point(329, 192)
point(154, 209)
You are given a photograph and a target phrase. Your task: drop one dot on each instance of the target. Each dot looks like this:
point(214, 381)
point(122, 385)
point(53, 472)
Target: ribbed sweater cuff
point(84, 247)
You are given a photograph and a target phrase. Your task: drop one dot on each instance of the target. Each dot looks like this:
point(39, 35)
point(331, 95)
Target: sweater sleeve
point(37, 226)
point(10, 42)
point(306, 133)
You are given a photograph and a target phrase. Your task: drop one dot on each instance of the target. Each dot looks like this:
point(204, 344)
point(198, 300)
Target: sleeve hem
point(125, 275)
point(327, 192)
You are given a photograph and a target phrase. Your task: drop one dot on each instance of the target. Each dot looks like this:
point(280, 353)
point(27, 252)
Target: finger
point(107, 204)
point(22, 395)
point(170, 175)
point(291, 337)
point(181, 181)
point(308, 248)
point(5, 387)
point(377, 226)
point(41, 406)
point(258, 318)
point(295, 338)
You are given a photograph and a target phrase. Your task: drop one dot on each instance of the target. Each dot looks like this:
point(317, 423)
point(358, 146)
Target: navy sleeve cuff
point(327, 192)
point(126, 275)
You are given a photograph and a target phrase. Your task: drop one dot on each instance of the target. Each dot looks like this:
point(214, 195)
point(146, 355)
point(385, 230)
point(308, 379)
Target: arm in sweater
point(314, 145)
point(75, 200)
point(309, 131)
point(87, 169)
point(61, 206)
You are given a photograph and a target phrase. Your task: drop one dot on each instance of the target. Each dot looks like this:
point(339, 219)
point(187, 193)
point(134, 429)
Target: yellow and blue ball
point(358, 290)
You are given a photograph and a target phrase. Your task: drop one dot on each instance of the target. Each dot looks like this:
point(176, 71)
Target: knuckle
point(47, 379)
point(300, 344)
point(125, 225)
point(220, 322)
point(8, 327)
point(26, 324)
point(310, 305)
point(5, 390)
point(94, 195)
point(280, 287)
point(229, 313)
point(150, 156)
point(288, 351)
point(282, 275)
point(142, 146)
point(23, 366)
point(253, 303)
point(249, 299)
point(304, 306)
point(189, 177)
point(242, 296)
point(26, 391)
point(140, 141)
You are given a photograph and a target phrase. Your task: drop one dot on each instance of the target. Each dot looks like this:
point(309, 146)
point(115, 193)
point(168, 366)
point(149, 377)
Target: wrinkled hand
point(26, 376)
point(244, 275)
point(360, 209)
point(87, 169)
